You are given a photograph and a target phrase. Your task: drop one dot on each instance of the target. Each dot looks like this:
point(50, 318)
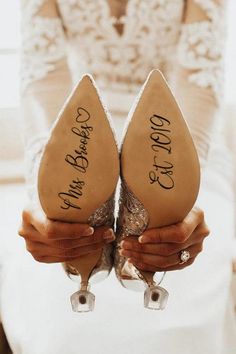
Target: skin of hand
point(159, 249)
point(51, 241)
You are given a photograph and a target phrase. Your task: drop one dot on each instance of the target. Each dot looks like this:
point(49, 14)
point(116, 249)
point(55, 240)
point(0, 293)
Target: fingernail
point(109, 234)
point(141, 239)
point(120, 252)
point(89, 231)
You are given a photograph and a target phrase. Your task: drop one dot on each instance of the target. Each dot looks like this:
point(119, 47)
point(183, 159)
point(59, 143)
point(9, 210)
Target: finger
point(27, 231)
point(203, 229)
point(149, 268)
point(164, 249)
point(160, 261)
point(100, 234)
point(40, 250)
point(52, 259)
point(177, 233)
point(55, 229)
point(161, 249)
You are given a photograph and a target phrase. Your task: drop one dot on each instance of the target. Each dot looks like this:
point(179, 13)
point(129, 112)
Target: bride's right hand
point(51, 241)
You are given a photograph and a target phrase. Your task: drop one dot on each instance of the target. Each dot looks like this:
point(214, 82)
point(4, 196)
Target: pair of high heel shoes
point(81, 165)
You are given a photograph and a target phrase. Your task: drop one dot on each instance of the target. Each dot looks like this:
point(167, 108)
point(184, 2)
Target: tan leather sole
point(158, 159)
point(79, 168)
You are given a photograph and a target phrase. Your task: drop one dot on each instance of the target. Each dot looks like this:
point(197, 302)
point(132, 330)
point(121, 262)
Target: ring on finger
point(184, 256)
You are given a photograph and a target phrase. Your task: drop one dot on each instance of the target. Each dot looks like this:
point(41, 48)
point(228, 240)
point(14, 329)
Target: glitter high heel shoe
point(160, 176)
point(77, 178)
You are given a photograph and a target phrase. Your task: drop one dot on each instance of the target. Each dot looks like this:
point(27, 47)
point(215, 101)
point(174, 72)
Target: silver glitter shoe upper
point(132, 220)
point(102, 216)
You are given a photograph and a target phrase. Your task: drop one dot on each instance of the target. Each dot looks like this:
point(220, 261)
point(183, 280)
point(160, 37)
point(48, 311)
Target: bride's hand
point(53, 241)
point(159, 249)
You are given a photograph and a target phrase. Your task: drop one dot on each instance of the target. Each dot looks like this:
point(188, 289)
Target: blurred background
point(11, 141)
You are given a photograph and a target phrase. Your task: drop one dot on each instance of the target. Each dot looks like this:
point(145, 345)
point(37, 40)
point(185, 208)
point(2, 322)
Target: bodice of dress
point(154, 36)
point(150, 33)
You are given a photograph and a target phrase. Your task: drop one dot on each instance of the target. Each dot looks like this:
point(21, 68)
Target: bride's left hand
point(159, 249)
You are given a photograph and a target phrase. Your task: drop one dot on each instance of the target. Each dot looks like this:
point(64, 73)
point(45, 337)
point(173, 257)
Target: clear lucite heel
point(155, 297)
point(83, 300)
point(85, 272)
point(133, 220)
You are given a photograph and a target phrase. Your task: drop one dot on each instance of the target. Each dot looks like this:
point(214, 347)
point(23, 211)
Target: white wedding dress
point(119, 42)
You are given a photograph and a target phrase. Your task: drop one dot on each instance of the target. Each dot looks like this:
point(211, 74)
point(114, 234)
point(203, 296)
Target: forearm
point(200, 111)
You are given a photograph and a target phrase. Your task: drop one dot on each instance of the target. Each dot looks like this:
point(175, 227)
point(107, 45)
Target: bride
point(119, 42)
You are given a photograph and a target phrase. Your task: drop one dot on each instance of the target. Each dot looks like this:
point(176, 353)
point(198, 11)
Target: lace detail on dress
point(43, 45)
point(150, 34)
point(31, 7)
point(201, 48)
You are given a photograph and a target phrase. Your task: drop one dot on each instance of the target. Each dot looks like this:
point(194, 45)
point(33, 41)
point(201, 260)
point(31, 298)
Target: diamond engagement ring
point(184, 256)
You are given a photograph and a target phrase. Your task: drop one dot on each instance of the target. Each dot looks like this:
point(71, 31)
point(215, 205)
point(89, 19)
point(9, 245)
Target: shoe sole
point(158, 158)
point(79, 168)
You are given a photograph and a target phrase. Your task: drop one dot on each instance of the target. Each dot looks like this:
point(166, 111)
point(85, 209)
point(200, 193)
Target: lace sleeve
point(201, 44)
point(200, 69)
point(43, 40)
point(45, 77)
